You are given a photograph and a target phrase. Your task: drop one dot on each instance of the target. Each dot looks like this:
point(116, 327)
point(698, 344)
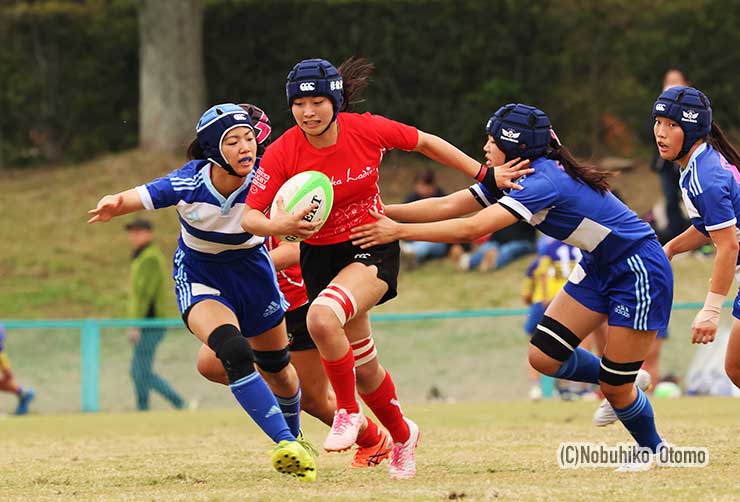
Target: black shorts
point(321, 264)
point(298, 336)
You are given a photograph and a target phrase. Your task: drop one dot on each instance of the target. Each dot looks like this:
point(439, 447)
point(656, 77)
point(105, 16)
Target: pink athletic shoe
point(403, 461)
point(344, 430)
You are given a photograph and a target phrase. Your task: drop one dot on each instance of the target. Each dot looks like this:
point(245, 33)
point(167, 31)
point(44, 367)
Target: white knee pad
point(364, 351)
point(340, 300)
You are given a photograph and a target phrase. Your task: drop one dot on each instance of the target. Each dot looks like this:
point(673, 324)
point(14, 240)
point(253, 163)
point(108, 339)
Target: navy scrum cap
point(213, 126)
point(315, 77)
point(690, 109)
point(520, 131)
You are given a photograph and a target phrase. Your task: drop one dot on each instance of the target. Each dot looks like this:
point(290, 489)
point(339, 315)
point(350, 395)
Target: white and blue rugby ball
point(301, 191)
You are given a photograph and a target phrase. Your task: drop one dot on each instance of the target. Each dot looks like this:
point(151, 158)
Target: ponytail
point(355, 73)
point(717, 139)
point(195, 151)
point(587, 173)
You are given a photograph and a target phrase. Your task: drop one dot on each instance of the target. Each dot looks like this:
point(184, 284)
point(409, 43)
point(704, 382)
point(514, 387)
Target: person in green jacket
point(146, 300)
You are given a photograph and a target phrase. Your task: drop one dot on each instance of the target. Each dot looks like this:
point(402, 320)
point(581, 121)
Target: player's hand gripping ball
point(301, 191)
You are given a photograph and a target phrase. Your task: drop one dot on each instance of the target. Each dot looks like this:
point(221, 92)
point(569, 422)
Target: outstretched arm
point(384, 230)
point(445, 153)
point(453, 205)
point(119, 204)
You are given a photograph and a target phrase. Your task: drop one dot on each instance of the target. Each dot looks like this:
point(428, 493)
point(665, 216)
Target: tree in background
point(70, 70)
point(171, 75)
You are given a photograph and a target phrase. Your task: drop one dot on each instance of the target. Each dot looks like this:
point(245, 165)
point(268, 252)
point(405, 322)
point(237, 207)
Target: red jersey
point(351, 164)
point(290, 280)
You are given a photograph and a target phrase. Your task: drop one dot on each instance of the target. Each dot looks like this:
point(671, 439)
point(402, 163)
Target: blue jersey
point(711, 190)
point(216, 260)
point(569, 210)
point(210, 223)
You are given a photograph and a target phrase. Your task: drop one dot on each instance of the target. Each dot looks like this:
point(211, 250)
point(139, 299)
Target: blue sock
point(291, 407)
point(581, 366)
point(638, 418)
point(259, 402)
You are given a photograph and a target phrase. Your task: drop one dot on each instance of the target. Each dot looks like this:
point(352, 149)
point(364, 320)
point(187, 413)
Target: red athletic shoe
point(373, 455)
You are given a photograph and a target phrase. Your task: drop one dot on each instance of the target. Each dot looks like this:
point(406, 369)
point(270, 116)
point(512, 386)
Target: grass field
point(493, 451)
point(420, 354)
point(53, 265)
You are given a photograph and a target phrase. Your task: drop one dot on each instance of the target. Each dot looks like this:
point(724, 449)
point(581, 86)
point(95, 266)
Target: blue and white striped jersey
point(210, 223)
point(568, 210)
point(711, 190)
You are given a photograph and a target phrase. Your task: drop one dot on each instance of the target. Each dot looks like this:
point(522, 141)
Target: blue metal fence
point(90, 336)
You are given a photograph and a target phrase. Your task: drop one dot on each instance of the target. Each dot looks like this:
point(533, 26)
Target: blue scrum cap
point(213, 126)
point(690, 109)
point(315, 77)
point(520, 131)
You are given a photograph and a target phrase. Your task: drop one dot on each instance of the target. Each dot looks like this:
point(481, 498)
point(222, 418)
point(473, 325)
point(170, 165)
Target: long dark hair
point(355, 74)
point(719, 142)
point(587, 173)
point(195, 151)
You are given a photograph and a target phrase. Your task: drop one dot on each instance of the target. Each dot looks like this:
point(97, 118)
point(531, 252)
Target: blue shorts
point(736, 304)
point(536, 311)
point(635, 292)
point(662, 334)
point(247, 286)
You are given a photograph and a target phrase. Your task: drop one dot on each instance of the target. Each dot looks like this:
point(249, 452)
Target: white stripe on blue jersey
point(484, 198)
point(694, 185)
point(710, 187)
point(570, 211)
point(210, 223)
point(187, 183)
point(209, 218)
point(642, 292)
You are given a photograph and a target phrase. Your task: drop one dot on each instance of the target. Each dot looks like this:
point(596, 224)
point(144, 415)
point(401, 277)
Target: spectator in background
point(146, 300)
point(668, 172)
point(501, 248)
point(414, 253)
point(7, 380)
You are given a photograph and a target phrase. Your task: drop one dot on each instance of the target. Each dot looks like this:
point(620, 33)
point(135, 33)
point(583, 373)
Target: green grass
point(463, 359)
point(55, 265)
point(471, 451)
point(488, 445)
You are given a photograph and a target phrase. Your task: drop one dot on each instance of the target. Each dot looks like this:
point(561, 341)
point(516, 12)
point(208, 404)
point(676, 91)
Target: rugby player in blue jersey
point(710, 184)
point(624, 277)
point(224, 279)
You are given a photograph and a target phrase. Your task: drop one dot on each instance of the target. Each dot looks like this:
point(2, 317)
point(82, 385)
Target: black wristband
point(489, 181)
